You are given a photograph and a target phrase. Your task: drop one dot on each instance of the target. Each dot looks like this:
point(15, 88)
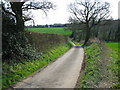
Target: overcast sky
point(61, 14)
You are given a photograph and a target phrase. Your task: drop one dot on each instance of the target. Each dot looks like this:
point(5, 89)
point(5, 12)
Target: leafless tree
point(89, 13)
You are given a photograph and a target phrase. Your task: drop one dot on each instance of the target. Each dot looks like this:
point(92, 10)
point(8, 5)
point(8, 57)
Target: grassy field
point(113, 45)
point(55, 30)
point(14, 73)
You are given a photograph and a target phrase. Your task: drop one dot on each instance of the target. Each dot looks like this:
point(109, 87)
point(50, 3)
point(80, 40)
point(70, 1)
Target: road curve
point(63, 73)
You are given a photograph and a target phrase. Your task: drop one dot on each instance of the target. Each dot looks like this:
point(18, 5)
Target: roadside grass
point(91, 73)
point(102, 66)
point(115, 67)
point(13, 73)
point(76, 43)
point(72, 43)
point(51, 30)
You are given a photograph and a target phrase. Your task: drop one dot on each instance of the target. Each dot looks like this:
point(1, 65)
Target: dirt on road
point(63, 73)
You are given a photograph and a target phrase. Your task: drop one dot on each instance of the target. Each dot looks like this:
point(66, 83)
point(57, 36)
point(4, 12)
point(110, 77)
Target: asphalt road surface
point(63, 73)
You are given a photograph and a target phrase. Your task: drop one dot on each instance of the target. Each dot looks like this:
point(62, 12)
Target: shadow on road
point(77, 46)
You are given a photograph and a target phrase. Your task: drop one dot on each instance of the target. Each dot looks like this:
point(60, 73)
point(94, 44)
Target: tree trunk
point(87, 36)
point(117, 34)
point(109, 37)
point(17, 9)
point(19, 23)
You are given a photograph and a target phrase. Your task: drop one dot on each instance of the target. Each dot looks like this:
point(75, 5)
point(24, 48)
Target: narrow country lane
point(63, 73)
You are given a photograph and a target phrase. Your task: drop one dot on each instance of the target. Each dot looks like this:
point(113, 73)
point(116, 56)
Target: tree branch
point(38, 5)
point(3, 8)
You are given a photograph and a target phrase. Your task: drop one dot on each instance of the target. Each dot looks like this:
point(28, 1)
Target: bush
point(15, 45)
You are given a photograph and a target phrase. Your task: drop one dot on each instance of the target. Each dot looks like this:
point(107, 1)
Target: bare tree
point(89, 13)
point(16, 10)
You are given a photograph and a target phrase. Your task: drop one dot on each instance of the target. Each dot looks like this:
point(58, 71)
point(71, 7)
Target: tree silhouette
point(89, 13)
point(15, 42)
point(16, 10)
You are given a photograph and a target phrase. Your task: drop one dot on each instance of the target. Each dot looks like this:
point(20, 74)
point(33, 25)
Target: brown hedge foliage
point(43, 41)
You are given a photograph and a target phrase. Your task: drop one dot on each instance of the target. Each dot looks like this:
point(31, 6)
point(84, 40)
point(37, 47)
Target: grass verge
point(101, 70)
point(14, 73)
point(91, 73)
point(115, 67)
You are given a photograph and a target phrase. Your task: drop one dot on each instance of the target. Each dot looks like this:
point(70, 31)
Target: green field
point(113, 45)
point(51, 30)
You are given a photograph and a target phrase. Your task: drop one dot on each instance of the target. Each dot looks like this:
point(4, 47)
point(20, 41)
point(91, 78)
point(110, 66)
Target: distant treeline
point(107, 30)
point(46, 26)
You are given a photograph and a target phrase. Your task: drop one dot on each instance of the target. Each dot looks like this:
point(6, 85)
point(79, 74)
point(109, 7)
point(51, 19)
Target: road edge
point(39, 70)
point(81, 72)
